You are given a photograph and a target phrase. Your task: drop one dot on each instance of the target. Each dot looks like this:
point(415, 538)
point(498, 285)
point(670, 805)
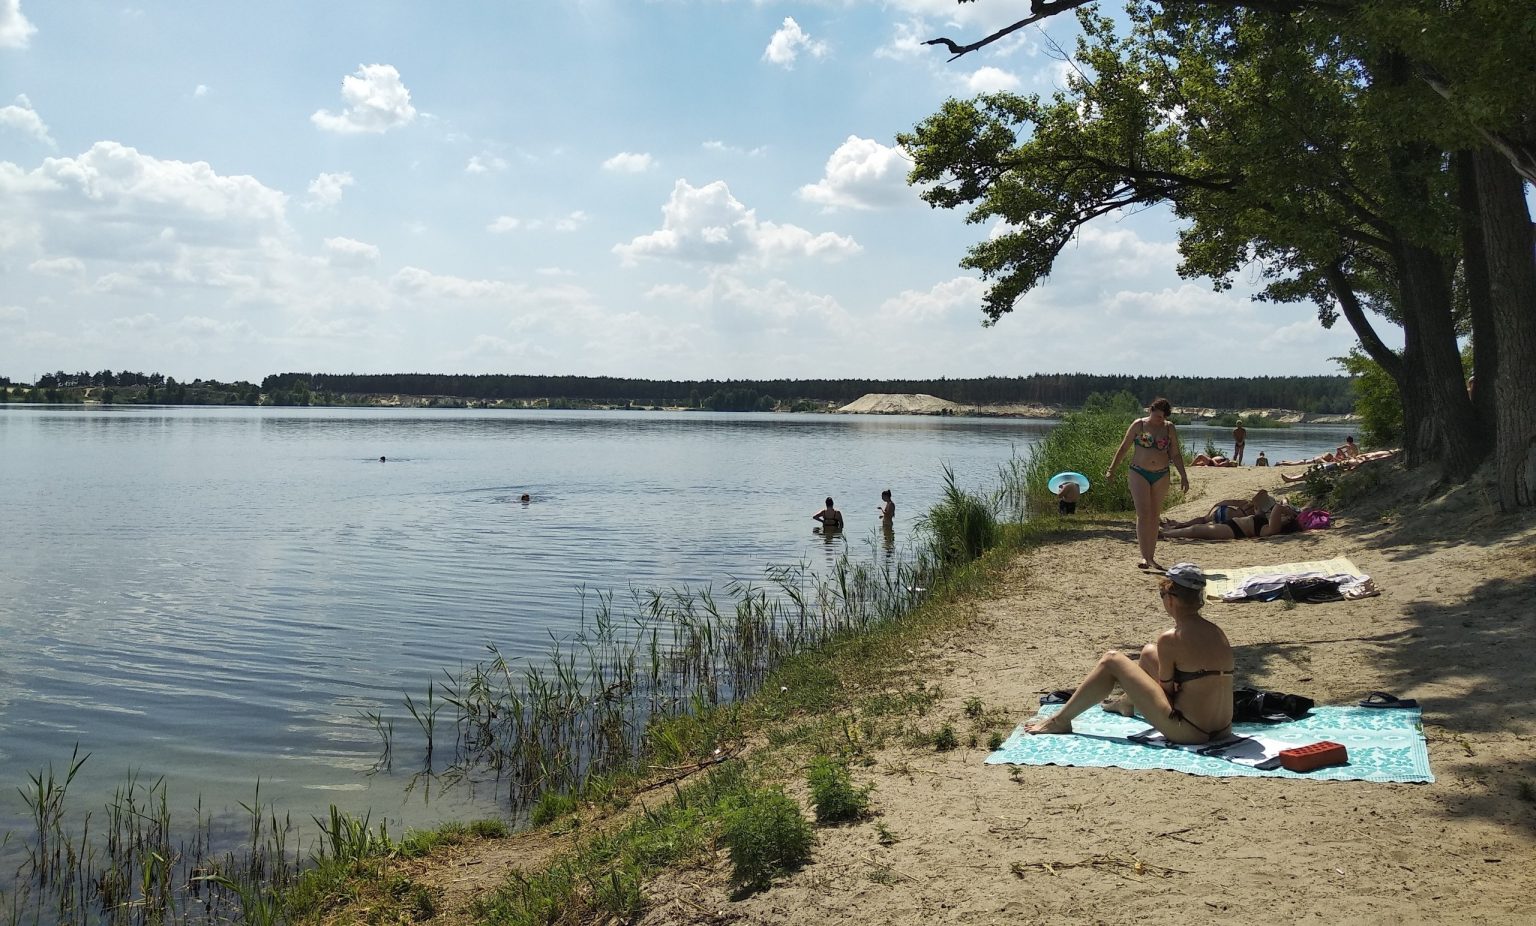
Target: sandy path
point(1453, 627)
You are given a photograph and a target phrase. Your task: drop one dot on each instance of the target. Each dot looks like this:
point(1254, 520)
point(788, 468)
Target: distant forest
point(1314, 394)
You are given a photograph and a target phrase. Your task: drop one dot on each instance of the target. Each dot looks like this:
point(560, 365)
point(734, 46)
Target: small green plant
point(1528, 791)
point(945, 739)
point(973, 707)
point(551, 807)
point(995, 741)
point(766, 834)
point(884, 836)
point(833, 796)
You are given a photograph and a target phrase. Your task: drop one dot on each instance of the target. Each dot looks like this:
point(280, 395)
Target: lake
point(216, 595)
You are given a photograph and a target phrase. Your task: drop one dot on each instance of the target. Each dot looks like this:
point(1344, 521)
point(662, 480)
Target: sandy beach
point(978, 843)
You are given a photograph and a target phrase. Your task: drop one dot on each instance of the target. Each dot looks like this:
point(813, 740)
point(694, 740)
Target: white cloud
point(1124, 251)
point(325, 191)
point(376, 101)
point(141, 322)
point(571, 222)
point(991, 80)
point(773, 303)
point(626, 162)
point(506, 223)
point(944, 299)
point(350, 252)
point(551, 302)
point(58, 266)
point(200, 91)
point(723, 148)
point(862, 174)
point(787, 43)
point(23, 118)
point(485, 163)
point(12, 315)
point(708, 225)
point(907, 41)
point(15, 30)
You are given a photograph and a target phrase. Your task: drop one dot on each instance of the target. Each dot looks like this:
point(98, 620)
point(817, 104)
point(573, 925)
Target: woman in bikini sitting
point(1182, 685)
point(1156, 444)
point(1281, 520)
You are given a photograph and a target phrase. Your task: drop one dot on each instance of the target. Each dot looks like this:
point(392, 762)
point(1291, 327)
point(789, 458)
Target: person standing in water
point(1156, 444)
point(831, 519)
point(887, 509)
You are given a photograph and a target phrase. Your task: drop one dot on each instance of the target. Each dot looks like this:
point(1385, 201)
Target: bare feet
point(1121, 705)
point(1051, 724)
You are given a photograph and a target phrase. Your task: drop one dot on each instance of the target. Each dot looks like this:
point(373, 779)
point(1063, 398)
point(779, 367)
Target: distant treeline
point(1316, 394)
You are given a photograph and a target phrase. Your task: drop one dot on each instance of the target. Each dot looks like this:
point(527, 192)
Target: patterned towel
point(1385, 744)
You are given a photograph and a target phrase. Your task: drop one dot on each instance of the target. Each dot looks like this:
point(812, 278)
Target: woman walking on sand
point(1156, 444)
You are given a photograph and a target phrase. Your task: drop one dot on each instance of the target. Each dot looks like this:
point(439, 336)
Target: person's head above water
point(381, 459)
point(829, 501)
point(524, 497)
point(886, 495)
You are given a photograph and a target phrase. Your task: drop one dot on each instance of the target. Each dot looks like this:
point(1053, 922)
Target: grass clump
point(962, 526)
point(551, 806)
point(1084, 442)
point(766, 834)
point(833, 796)
point(945, 740)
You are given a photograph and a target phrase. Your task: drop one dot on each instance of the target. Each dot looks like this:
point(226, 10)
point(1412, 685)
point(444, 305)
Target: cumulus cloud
point(771, 303)
point(350, 252)
point(23, 118)
point(708, 225)
point(58, 266)
point(991, 80)
point(376, 99)
point(723, 148)
point(1125, 251)
point(506, 223)
point(626, 162)
point(12, 315)
point(485, 163)
point(554, 300)
point(787, 44)
point(862, 174)
point(15, 30)
point(571, 222)
point(906, 42)
point(325, 190)
point(200, 91)
point(943, 299)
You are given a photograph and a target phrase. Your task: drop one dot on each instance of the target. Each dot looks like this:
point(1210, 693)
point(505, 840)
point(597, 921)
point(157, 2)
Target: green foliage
point(945, 740)
point(766, 834)
point(551, 807)
point(961, 526)
point(995, 741)
point(973, 708)
point(833, 796)
point(1118, 403)
point(1377, 400)
point(1084, 442)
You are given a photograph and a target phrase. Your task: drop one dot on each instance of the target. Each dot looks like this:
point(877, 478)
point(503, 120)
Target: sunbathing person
point(1281, 520)
point(1218, 460)
point(1228, 508)
point(1342, 465)
point(1320, 458)
point(1182, 684)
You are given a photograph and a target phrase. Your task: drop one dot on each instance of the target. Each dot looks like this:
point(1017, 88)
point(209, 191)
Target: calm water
point(214, 595)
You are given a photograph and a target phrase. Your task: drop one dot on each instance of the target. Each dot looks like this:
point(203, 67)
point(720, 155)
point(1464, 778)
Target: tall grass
point(962, 526)
point(1085, 443)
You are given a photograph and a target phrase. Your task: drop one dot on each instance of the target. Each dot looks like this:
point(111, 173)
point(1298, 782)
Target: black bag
point(1250, 705)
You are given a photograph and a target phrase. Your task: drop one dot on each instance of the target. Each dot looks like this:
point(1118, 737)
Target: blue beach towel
point(1384, 745)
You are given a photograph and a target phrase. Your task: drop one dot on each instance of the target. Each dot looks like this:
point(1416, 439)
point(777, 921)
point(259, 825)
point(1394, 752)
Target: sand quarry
point(997, 844)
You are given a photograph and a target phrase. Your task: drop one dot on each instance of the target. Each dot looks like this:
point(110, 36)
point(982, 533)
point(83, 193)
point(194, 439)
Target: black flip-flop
point(1382, 699)
point(1059, 696)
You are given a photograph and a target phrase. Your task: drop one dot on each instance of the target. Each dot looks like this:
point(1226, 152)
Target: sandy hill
point(880, 403)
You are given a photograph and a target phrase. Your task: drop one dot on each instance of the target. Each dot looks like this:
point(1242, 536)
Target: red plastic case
point(1316, 755)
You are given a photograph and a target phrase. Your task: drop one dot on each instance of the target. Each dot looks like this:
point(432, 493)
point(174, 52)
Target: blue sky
point(650, 188)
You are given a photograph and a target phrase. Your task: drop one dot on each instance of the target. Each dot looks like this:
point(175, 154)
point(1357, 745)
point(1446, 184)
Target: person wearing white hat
point(1182, 685)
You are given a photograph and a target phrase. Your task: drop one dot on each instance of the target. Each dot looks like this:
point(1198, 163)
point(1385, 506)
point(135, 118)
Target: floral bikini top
point(1145, 439)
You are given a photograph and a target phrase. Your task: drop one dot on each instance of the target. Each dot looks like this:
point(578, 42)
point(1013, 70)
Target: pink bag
point(1312, 519)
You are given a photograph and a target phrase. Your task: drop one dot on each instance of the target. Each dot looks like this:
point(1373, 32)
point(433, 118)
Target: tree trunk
point(1474, 271)
point(1448, 429)
point(1512, 278)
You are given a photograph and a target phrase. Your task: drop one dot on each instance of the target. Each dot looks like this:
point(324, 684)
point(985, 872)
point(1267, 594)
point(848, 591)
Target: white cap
point(1188, 575)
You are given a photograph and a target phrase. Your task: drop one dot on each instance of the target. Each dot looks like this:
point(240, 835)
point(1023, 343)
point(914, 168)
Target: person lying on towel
point(1281, 520)
point(1182, 685)
point(1223, 511)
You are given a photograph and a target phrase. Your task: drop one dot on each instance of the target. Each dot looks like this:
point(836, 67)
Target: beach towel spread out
point(1384, 745)
point(1304, 581)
